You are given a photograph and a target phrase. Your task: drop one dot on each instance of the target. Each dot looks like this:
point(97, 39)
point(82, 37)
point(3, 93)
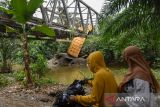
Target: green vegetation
point(7, 51)
point(132, 22)
point(39, 67)
point(38, 70)
point(45, 81)
point(157, 74)
point(23, 10)
point(6, 79)
point(62, 47)
point(19, 75)
point(3, 81)
point(123, 23)
point(109, 48)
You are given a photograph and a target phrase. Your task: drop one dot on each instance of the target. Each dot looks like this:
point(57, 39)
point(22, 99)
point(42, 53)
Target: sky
point(95, 4)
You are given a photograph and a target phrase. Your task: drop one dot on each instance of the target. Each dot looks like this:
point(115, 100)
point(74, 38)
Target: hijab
point(96, 61)
point(138, 68)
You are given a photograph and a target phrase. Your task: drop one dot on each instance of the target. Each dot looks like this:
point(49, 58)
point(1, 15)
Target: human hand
point(86, 80)
point(72, 98)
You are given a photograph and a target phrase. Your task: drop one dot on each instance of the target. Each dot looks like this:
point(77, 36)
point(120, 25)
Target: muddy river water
point(67, 75)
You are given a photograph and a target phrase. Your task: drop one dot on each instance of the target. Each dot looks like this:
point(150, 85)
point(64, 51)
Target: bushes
point(112, 47)
point(45, 81)
point(108, 47)
point(3, 80)
point(62, 47)
point(40, 66)
point(156, 72)
point(91, 44)
point(38, 71)
point(19, 75)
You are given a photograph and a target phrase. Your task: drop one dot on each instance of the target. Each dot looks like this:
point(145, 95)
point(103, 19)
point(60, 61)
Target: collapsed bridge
point(67, 18)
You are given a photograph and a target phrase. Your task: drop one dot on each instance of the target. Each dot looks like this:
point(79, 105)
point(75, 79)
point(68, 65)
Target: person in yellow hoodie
point(103, 82)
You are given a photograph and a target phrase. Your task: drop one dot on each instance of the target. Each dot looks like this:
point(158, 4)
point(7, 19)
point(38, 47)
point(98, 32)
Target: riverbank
point(16, 95)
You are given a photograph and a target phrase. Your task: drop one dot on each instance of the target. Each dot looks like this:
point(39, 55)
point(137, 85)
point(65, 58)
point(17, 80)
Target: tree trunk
point(26, 57)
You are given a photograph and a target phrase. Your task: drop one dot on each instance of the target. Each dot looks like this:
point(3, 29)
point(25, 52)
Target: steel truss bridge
point(66, 16)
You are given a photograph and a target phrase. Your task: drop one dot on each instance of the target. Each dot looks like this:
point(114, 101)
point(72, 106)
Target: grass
point(45, 81)
point(6, 79)
point(156, 72)
point(19, 76)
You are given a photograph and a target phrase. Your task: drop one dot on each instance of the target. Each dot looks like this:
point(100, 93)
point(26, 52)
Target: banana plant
point(23, 11)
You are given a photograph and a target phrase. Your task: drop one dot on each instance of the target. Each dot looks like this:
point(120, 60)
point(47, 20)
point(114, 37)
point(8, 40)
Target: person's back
point(139, 80)
point(102, 83)
point(107, 82)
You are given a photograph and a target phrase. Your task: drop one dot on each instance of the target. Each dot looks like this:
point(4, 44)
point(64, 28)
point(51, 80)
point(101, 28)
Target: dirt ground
point(16, 95)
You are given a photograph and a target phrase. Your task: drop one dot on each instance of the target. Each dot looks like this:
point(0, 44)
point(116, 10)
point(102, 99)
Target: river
point(67, 75)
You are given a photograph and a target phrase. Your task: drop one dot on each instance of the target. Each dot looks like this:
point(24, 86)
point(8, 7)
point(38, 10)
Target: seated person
point(103, 82)
point(139, 80)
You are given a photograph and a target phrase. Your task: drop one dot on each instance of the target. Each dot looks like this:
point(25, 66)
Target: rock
point(44, 99)
point(77, 61)
point(53, 94)
point(63, 59)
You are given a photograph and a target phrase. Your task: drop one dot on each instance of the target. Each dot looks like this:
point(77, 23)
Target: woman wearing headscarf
point(139, 80)
point(103, 82)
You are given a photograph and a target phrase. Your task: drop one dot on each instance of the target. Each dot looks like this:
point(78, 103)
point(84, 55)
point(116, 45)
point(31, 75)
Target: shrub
point(62, 47)
point(19, 75)
point(3, 80)
point(40, 66)
point(91, 44)
point(45, 81)
point(156, 72)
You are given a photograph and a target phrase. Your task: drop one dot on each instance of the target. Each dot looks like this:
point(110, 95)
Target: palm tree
point(132, 22)
point(129, 14)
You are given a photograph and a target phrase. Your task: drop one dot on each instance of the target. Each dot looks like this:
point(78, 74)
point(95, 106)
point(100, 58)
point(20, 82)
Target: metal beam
point(81, 15)
point(87, 21)
point(49, 13)
point(53, 11)
point(88, 6)
point(74, 7)
point(44, 14)
point(91, 18)
point(96, 24)
point(75, 13)
point(71, 3)
point(66, 12)
point(84, 9)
